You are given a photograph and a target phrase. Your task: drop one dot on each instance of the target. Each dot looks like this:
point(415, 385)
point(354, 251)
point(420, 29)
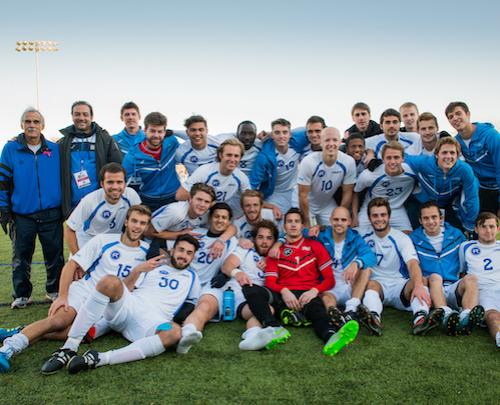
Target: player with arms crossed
point(396, 278)
point(437, 247)
point(106, 254)
point(321, 174)
point(142, 315)
point(482, 259)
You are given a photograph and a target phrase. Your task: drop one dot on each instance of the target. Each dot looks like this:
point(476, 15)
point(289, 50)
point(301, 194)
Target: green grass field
point(395, 368)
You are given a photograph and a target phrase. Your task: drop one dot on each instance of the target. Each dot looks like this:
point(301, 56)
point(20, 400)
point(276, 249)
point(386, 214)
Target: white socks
point(91, 311)
point(464, 314)
point(14, 344)
point(352, 304)
point(146, 347)
point(417, 306)
point(373, 302)
point(447, 310)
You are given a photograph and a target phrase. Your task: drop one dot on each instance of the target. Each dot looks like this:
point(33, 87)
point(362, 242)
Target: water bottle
point(228, 310)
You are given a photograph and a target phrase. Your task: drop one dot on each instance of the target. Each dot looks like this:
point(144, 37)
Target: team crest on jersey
point(385, 183)
point(291, 164)
point(164, 272)
point(321, 173)
point(281, 163)
point(243, 164)
point(193, 159)
point(202, 244)
point(287, 252)
point(248, 234)
point(115, 254)
point(106, 214)
point(216, 183)
point(256, 258)
point(475, 251)
point(371, 243)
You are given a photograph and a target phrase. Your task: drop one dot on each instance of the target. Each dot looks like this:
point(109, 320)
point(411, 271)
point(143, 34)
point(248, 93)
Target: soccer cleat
point(423, 323)
point(20, 303)
point(336, 318)
point(450, 323)
point(342, 338)
point(52, 296)
point(57, 361)
point(188, 341)
point(88, 360)
point(472, 320)
point(370, 320)
point(278, 335)
point(351, 316)
point(89, 336)
point(257, 340)
point(8, 332)
point(4, 363)
point(293, 318)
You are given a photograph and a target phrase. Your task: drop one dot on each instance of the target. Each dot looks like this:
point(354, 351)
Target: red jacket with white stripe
point(301, 265)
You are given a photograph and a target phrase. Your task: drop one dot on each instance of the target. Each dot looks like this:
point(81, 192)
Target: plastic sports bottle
point(229, 312)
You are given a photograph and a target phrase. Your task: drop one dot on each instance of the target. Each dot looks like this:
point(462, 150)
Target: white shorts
point(284, 201)
point(323, 215)
point(132, 317)
point(77, 293)
point(399, 220)
point(218, 293)
point(489, 298)
point(392, 289)
point(342, 290)
point(450, 293)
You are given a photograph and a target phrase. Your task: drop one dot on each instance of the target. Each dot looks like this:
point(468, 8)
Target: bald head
point(330, 142)
point(340, 221)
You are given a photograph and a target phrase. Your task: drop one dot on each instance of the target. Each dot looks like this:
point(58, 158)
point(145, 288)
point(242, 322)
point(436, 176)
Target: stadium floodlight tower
point(37, 47)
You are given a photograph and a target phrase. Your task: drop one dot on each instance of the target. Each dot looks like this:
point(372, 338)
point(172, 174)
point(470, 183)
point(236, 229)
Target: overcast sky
point(259, 60)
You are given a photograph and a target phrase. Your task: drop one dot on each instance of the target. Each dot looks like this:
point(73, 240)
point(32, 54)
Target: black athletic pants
point(259, 299)
point(48, 226)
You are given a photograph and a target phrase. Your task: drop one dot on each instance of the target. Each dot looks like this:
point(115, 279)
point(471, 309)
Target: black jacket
point(106, 151)
point(372, 130)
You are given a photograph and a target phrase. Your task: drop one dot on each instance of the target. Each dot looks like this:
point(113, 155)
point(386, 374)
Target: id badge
point(82, 179)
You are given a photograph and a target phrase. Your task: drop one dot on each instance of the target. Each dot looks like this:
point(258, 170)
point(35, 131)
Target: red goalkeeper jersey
point(302, 265)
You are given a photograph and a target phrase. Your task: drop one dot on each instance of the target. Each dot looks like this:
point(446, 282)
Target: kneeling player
point(482, 259)
point(437, 249)
point(144, 315)
point(352, 259)
point(300, 273)
point(248, 278)
point(396, 278)
point(105, 254)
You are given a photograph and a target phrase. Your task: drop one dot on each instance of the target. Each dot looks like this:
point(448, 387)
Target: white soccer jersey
point(166, 288)
point(246, 162)
point(287, 169)
point(205, 265)
point(244, 228)
point(106, 255)
point(482, 261)
point(411, 141)
point(192, 158)
point(249, 258)
point(393, 252)
point(325, 180)
point(396, 189)
point(174, 217)
point(94, 215)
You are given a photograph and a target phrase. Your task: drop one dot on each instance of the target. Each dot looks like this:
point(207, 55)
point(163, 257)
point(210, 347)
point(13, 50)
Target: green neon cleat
point(342, 338)
point(278, 335)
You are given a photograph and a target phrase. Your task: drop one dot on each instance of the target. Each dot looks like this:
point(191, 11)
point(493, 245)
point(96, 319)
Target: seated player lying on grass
point(244, 266)
point(296, 278)
point(142, 315)
point(482, 259)
point(105, 254)
point(396, 278)
point(437, 247)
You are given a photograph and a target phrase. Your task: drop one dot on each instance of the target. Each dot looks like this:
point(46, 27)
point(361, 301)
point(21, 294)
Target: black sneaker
point(87, 361)
point(290, 317)
point(351, 316)
point(423, 323)
point(450, 323)
point(57, 361)
point(370, 320)
point(336, 318)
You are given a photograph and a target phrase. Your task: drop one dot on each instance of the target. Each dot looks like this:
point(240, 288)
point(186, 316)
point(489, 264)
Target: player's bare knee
point(435, 279)
point(373, 285)
point(492, 316)
point(470, 281)
point(59, 321)
point(110, 286)
point(169, 333)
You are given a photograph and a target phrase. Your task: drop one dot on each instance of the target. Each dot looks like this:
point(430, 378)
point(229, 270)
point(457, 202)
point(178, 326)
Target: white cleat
point(188, 341)
point(257, 340)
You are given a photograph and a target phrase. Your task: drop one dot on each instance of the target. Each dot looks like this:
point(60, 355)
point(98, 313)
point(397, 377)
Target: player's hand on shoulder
point(274, 252)
point(314, 231)
point(261, 264)
point(245, 243)
point(216, 249)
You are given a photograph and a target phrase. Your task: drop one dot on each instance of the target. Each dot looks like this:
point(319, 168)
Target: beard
point(178, 265)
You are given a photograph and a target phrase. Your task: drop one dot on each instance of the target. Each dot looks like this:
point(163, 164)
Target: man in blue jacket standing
point(132, 133)
point(30, 203)
point(480, 144)
point(437, 245)
point(150, 164)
